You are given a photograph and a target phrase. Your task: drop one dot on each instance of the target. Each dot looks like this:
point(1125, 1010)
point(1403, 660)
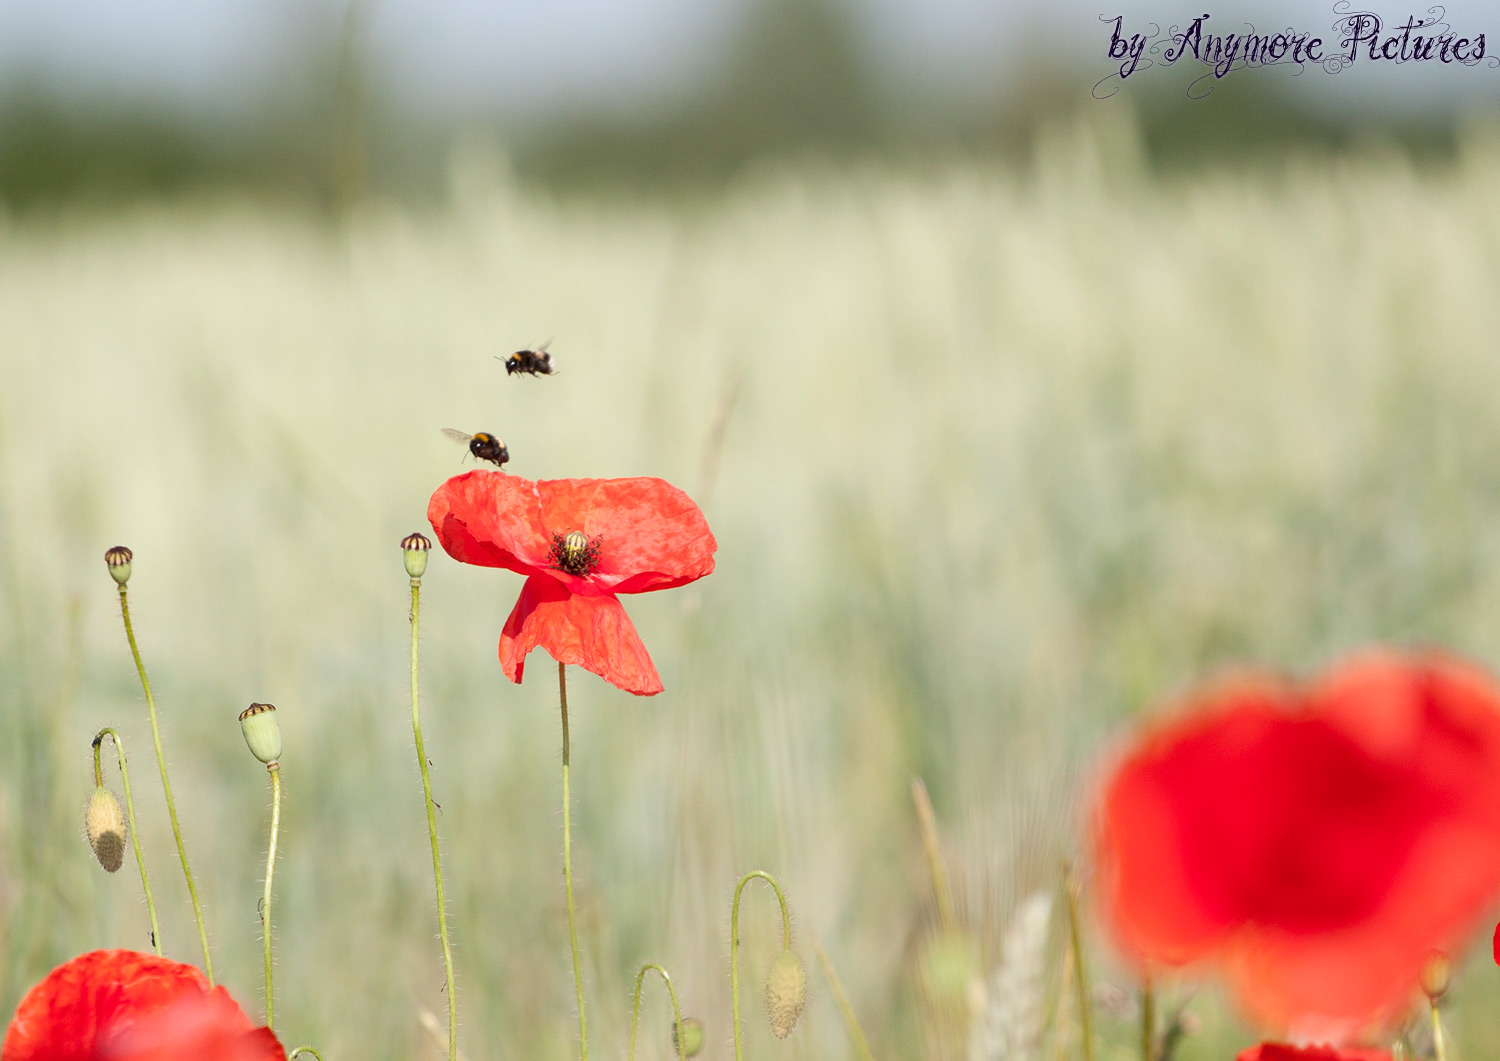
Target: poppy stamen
point(575, 552)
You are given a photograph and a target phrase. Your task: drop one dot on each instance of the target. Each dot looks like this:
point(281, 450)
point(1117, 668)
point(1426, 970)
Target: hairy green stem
point(1148, 1022)
point(437, 861)
point(635, 1019)
point(265, 902)
point(583, 1024)
point(135, 834)
point(851, 1022)
point(166, 785)
point(1075, 938)
point(303, 1050)
point(1439, 1041)
point(734, 945)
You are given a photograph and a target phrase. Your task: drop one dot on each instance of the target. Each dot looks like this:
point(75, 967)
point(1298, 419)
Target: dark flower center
point(574, 552)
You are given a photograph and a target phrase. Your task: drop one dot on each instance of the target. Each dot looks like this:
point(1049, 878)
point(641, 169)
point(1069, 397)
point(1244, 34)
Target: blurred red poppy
point(1320, 842)
point(118, 1005)
point(580, 542)
point(1282, 1052)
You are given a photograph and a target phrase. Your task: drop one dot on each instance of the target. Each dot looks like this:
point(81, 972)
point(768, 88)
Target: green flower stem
point(135, 834)
point(734, 944)
point(1439, 1041)
point(166, 786)
point(303, 1050)
point(1075, 937)
point(437, 861)
point(851, 1022)
point(1148, 1022)
point(583, 1024)
point(635, 1019)
point(265, 902)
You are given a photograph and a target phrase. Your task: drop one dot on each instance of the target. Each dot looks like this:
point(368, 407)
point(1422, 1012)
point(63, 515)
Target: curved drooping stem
point(635, 1018)
point(166, 786)
point(734, 944)
point(265, 902)
point(583, 1024)
point(135, 834)
point(437, 861)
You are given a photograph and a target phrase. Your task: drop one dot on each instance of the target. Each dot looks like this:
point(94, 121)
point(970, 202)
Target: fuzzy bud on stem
point(414, 550)
point(262, 732)
point(118, 560)
point(687, 1038)
point(786, 992)
point(104, 825)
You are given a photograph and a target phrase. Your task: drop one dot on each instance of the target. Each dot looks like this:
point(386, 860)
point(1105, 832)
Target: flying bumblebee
point(483, 445)
point(536, 362)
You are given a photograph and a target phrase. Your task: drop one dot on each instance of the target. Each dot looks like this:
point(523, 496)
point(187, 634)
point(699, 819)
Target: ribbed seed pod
point(414, 550)
point(262, 732)
point(118, 560)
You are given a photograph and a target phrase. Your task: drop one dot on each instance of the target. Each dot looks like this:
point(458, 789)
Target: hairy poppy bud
point(690, 1032)
point(414, 549)
point(104, 824)
point(262, 732)
point(118, 560)
point(786, 993)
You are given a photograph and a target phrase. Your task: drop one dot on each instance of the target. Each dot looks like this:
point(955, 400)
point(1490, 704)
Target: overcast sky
point(526, 57)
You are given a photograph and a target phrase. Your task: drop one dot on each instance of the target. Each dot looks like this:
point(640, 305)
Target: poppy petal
point(590, 630)
point(1282, 1052)
point(491, 519)
point(118, 1004)
point(651, 534)
point(1320, 842)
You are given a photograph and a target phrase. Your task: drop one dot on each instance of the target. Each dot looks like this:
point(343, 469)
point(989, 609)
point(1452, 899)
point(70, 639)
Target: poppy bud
point(118, 560)
point(414, 548)
point(104, 824)
point(786, 993)
point(691, 1033)
point(1436, 975)
point(262, 732)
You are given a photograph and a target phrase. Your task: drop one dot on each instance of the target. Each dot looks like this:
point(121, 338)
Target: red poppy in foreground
point(1320, 842)
point(580, 542)
point(118, 1005)
point(1282, 1052)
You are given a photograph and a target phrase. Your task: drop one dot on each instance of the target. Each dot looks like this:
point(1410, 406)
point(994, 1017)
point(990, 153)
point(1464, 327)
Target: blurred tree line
point(798, 80)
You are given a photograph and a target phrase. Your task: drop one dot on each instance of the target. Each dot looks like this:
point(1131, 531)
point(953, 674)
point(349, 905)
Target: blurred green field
point(995, 461)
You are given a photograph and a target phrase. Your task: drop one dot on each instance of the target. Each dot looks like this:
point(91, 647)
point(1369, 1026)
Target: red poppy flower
point(118, 1005)
point(1320, 842)
point(1282, 1052)
point(580, 542)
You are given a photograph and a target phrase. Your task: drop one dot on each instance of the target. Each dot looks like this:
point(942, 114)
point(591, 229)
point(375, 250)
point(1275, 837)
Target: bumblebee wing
point(543, 348)
point(461, 437)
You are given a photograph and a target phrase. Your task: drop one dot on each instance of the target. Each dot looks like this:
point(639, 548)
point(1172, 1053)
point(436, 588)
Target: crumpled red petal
point(117, 1004)
point(652, 534)
point(1282, 1052)
point(1318, 842)
point(590, 630)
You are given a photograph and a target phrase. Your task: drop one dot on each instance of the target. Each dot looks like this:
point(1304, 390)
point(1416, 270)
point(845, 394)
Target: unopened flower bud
point(1436, 974)
point(118, 560)
point(104, 824)
point(786, 993)
point(262, 732)
point(414, 549)
point(691, 1034)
